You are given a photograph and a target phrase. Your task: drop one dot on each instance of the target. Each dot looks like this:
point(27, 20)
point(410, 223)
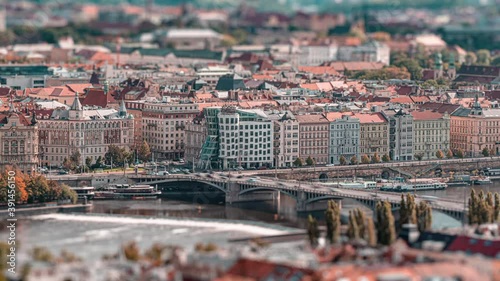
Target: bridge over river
point(241, 188)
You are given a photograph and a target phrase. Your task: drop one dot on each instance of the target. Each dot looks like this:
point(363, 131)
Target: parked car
point(63, 172)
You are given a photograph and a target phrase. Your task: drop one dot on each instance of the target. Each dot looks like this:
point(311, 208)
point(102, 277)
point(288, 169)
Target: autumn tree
point(332, 217)
point(371, 235)
point(439, 154)
point(312, 231)
point(354, 160)
point(485, 152)
point(144, 152)
point(361, 222)
point(483, 57)
point(9, 177)
point(449, 154)
point(386, 233)
point(459, 153)
point(352, 228)
point(483, 208)
point(407, 210)
point(342, 160)
point(365, 159)
point(424, 216)
point(375, 158)
point(386, 158)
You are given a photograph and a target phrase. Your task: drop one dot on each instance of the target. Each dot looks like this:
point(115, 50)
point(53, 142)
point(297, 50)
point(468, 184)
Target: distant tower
point(123, 109)
point(438, 66)
point(452, 71)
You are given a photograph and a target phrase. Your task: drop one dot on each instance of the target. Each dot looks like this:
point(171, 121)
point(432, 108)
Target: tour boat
point(125, 191)
point(360, 184)
point(408, 187)
point(482, 181)
point(84, 192)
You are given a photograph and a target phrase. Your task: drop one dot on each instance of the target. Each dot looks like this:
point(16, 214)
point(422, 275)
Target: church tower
point(438, 66)
point(452, 71)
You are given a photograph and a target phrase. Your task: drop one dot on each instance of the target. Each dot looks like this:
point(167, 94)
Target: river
point(112, 223)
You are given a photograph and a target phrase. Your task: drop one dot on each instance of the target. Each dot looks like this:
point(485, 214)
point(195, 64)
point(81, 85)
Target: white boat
point(406, 187)
point(360, 184)
point(482, 181)
point(125, 191)
point(85, 192)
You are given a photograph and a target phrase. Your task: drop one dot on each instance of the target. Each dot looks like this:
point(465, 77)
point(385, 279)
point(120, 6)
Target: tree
point(470, 58)
point(298, 162)
point(386, 158)
point(352, 229)
point(312, 231)
point(75, 158)
point(309, 161)
point(483, 209)
point(386, 233)
point(449, 154)
point(67, 193)
point(88, 161)
point(114, 156)
point(375, 158)
point(419, 156)
point(459, 153)
point(430, 84)
point(483, 57)
point(424, 216)
point(439, 154)
point(360, 221)
point(371, 235)
point(332, 216)
point(485, 152)
point(342, 160)
point(131, 251)
point(98, 162)
point(365, 159)
point(354, 160)
point(407, 211)
point(144, 152)
point(67, 164)
point(412, 66)
point(38, 189)
point(496, 210)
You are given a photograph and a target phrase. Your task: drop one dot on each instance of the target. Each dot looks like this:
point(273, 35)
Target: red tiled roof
point(402, 100)
point(426, 115)
point(96, 97)
point(490, 248)
point(365, 118)
point(264, 270)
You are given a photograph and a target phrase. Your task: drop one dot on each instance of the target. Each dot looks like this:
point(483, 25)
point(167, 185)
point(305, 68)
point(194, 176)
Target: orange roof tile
point(425, 115)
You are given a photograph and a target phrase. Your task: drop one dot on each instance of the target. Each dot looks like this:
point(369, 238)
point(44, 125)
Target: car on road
point(63, 172)
point(252, 180)
point(240, 168)
point(330, 165)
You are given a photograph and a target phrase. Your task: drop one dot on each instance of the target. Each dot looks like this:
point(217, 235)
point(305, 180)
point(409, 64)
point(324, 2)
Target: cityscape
point(250, 140)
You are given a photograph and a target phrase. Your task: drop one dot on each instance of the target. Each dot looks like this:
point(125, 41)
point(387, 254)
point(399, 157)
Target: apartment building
point(89, 130)
point(246, 138)
point(316, 54)
point(18, 141)
point(431, 133)
point(400, 134)
point(195, 136)
point(286, 138)
point(163, 126)
point(374, 134)
point(314, 137)
point(344, 136)
point(474, 129)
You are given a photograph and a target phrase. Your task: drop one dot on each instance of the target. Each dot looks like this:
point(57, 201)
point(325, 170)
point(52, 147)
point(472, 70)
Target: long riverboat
point(409, 187)
point(127, 192)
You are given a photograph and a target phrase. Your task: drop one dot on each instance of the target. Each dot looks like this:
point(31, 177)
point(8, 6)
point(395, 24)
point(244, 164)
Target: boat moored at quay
point(127, 192)
point(408, 187)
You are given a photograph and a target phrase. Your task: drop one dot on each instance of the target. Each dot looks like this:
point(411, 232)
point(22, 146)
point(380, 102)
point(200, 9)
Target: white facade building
point(372, 51)
point(344, 137)
point(317, 54)
point(245, 138)
point(286, 139)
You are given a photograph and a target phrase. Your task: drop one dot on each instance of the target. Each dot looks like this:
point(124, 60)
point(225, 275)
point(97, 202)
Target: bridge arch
point(221, 188)
point(323, 177)
point(321, 198)
point(249, 190)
